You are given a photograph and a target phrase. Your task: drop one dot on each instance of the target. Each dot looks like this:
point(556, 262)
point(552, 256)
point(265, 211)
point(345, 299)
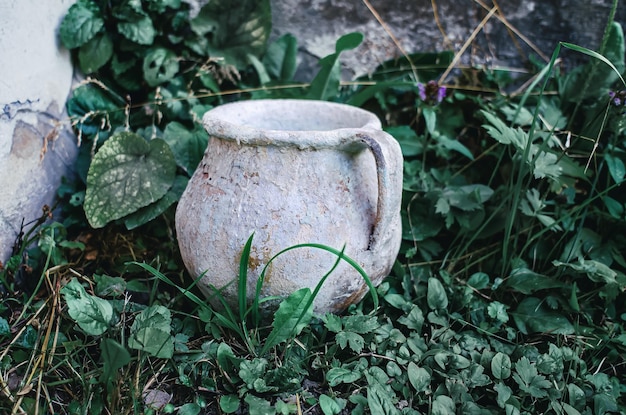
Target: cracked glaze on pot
point(292, 172)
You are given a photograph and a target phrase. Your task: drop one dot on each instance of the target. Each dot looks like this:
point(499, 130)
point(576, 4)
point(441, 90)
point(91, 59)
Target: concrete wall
point(36, 144)
point(318, 23)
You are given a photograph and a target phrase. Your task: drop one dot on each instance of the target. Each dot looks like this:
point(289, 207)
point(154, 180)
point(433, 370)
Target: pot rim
point(321, 124)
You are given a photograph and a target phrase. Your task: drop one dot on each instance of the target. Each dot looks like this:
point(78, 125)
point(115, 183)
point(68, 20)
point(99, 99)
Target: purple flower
point(431, 93)
point(618, 98)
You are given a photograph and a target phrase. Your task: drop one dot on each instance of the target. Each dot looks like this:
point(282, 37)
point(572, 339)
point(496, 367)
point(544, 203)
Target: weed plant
point(507, 296)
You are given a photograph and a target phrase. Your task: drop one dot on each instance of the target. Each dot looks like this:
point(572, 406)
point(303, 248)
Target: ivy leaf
point(91, 313)
point(126, 174)
point(95, 53)
point(159, 66)
point(151, 332)
point(139, 30)
point(81, 23)
point(529, 379)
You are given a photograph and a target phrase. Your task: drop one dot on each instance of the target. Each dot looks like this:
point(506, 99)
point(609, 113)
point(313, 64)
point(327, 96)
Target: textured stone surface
point(36, 144)
point(318, 23)
point(293, 172)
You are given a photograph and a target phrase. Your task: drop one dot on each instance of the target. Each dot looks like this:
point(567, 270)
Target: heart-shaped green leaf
point(92, 314)
point(126, 174)
point(160, 65)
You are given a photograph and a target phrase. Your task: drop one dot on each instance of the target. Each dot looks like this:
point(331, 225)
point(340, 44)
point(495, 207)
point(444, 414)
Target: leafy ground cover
point(507, 296)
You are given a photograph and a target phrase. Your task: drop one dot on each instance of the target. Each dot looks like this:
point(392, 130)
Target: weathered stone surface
point(36, 143)
point(318, 23)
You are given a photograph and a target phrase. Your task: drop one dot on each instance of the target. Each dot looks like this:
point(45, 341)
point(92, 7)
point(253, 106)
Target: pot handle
point(388, 157)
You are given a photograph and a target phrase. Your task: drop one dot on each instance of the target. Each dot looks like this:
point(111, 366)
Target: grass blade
point(595, 55)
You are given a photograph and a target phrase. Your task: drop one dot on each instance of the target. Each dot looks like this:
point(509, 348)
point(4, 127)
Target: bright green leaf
point(348, 42)
point(418, 377)
point(191, 408)
point(126, 174)
point(114, 356)
point(280, 58)
point(504, 393)
point(501, 366)
point(331, 406)
point(81, 23)
point(616, 167)
point(355, 341)
point(91, 313)
point(140, 30)
point(258, 406)
point(293, 314)
point(160, 65)
point(4, 327)
point(379, 400)
point(436, 295)
point(414, 320)
point(151, 332)
point(325, 85)
point(360, 324)
point(531, 316)
point(529, 379)
point(443, 405)
point(338, 375)
point(187, 145)
point(95, 53)
point(229, 403)
point(332, 322)
point(497, 310)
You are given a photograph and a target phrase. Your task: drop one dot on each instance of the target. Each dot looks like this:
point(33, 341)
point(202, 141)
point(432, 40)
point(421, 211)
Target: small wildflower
point(431, 93)
point(618, 98)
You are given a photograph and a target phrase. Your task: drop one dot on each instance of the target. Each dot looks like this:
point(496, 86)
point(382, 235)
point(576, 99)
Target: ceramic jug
point(292, 172)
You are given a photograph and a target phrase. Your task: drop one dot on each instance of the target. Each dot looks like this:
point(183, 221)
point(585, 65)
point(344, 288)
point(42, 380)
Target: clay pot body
point(292, 172)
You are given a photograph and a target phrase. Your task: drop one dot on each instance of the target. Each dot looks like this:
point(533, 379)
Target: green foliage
point(91, 313)
point(126, 174)
point(150, 59)
point(507, 296)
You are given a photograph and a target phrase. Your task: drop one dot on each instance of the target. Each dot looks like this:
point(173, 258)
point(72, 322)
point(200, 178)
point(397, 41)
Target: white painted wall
point(35, 80)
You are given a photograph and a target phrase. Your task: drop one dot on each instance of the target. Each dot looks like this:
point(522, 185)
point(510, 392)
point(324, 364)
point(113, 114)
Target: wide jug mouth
point(300, 122)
